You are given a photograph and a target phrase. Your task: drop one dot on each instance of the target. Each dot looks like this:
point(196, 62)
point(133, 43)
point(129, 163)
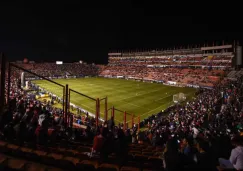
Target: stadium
point(61, 112)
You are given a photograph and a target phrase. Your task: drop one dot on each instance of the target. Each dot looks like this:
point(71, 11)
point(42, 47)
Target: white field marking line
point(87, 107)
point(131, 97)
point(134, 105)
point(137, 105)
point(114, 90)
point(107, 89)
point(144, 107)
point(165, 96)
point(137, 95)
point(147, 92)
point(158, 107)
point(155, 100)
point(152, 110)
point(118, 100)
point(131, 104)
point(123, 91)
point(100, 86)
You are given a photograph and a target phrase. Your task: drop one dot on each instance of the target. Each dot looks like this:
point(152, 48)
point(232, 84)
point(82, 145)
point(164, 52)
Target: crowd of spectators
point(195, 76)
point(26, 120)
point(196, 135)
point(174, 60)
point(61, 70)
point(197, 69)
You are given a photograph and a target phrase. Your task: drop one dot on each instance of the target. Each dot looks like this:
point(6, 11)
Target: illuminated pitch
point(134, 97)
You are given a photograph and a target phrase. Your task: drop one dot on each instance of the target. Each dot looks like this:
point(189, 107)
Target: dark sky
point(74, 31)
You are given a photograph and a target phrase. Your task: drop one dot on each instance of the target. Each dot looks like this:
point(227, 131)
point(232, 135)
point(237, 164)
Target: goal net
point(180, 97)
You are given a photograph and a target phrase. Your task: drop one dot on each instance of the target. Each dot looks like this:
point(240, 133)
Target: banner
point(171, 82)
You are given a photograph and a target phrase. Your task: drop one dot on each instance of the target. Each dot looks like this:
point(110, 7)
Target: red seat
point(87, 165)
point(127, 168)
point(108, 167)
point(35, 167)
point(15, 164)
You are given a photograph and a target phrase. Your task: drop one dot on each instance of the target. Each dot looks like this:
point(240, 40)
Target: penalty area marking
point(159, 107)
point(151, 110)
point(165, 96)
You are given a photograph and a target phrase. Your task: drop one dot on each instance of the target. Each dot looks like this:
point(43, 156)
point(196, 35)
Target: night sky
point(73, 31)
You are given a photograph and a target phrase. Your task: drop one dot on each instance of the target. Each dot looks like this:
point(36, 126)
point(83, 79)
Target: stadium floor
point(134, 97)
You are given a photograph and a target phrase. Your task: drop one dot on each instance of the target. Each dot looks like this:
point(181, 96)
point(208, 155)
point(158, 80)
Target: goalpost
point(180, 97)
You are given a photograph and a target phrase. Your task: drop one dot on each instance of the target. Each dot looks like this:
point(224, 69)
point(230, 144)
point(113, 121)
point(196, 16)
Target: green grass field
point(134, 97)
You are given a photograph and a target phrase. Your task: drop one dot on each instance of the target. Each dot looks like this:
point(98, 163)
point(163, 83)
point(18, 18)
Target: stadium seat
point(87, 165)
point(153, 169)
point(25, 152)
point(140, 158)
point(148, 153)
point(135, 152)
point(52, 159)
point(154, 162)
point(53, 169)
point(159, 153)
point(55, 150)
point(108, 167)
point(155, 159)
point(38, 155)
point(219, 168)
point(71, 153)
point(15, 164)
point(3, 145)
point(72, 159)
point(129, 157)
point(12, 149)
point(148, 165)
point(146, 150)
point(35, 167)
point(150, 148)
point(84, 149)
point(127, 168)
point(3, 159)
point(68, 163)
point(81, 156)
point(132, 164)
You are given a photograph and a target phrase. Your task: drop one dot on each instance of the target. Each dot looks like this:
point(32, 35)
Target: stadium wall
point(55, 77)
point(169, 83)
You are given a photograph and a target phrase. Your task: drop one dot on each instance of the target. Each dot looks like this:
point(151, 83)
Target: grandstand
point(233, 75)
point(196, 66)
point(38, 130)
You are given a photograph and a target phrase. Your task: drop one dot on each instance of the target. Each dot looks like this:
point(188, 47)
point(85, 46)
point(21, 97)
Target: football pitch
point(137, 98)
